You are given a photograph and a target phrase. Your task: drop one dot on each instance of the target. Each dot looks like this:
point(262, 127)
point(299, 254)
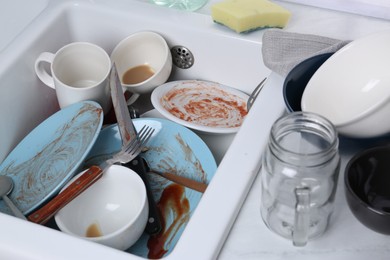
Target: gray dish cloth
point(282, 50)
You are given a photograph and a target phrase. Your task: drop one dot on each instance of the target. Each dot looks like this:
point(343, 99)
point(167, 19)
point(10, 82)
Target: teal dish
point(48, 157)
point(172, 148)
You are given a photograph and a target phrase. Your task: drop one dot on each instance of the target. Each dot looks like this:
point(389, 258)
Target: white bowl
point(352, 88)
point(116, 204)
point(143, 48)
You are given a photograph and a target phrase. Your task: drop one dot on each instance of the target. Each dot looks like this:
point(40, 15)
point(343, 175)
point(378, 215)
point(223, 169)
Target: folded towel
point(282, 50)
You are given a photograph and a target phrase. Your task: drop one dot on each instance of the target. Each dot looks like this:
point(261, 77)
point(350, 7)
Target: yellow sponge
point(248, 15)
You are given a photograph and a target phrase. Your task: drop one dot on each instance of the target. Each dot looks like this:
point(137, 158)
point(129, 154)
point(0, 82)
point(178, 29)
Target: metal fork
point(133, 148)
point(127, 153)
point(254, 94)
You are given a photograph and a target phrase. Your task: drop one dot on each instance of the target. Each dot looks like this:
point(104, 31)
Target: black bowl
point(297, 79)
point(367, 182)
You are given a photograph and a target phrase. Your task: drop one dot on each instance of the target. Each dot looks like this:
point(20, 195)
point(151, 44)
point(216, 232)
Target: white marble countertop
point(249, 238)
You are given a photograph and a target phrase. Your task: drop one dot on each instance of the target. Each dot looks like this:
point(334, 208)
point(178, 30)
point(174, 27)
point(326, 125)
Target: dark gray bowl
point(296, 81)
point(367, 182)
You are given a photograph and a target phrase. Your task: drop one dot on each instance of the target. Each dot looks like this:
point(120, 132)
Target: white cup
point(148, 52)
point(79, 71)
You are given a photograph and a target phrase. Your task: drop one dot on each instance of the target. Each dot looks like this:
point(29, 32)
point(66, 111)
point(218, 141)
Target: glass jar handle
point(302, 217)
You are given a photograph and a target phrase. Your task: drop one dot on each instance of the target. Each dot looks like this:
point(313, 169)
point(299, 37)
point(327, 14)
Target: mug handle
point(40, 70)
point(300, 233)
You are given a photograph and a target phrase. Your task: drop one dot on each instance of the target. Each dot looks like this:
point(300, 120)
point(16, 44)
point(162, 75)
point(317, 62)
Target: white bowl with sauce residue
point(205, 106)
point(113, 211)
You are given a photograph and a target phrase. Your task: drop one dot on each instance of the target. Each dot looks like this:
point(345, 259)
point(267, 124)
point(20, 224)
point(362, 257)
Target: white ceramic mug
point(149, 53)
point(79, 71)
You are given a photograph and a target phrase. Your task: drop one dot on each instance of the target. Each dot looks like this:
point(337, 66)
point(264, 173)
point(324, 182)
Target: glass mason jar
point(187, 5)
point(299, 176)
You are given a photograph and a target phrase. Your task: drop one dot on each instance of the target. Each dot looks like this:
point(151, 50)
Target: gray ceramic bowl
point(297, 79)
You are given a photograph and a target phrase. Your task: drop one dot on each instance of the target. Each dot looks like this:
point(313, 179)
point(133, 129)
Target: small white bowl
point(115, 206)
point(143, 48)
point(352, 88)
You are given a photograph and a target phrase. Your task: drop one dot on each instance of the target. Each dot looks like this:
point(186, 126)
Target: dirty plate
point(172, 148)
point(201, 105)
point(50, 154)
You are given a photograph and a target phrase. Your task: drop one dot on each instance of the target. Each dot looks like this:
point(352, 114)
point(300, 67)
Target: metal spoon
point(6, 186)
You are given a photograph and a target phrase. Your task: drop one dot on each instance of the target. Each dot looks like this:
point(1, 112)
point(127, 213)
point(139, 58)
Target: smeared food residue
point(94, 230)
point(173, 203)
point(190, 166)
point(174, 206)
point(41, 174)
point(205, 103)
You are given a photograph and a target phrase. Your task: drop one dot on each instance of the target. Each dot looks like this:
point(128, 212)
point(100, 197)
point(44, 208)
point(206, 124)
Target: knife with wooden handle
point(128, 132)
point(186, 182)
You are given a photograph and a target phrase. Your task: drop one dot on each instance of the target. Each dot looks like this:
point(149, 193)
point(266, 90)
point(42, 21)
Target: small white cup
point(79, 71)
point(146, 49)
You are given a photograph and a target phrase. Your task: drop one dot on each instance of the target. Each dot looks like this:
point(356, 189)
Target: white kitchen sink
point(220, 55)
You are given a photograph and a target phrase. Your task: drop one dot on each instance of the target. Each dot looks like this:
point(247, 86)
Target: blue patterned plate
point(172, 148)
point(51, 154)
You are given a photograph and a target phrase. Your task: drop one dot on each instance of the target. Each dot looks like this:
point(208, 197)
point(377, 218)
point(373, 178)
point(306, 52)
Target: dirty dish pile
point(174, 149)
point(112, 212)
point(351, 88)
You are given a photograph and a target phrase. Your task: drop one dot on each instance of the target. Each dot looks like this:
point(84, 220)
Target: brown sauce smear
point(173, 202)
point(205, 106)
point(93, 230)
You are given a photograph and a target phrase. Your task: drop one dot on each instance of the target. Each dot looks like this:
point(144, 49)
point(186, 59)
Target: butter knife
point(125, 125)
point(128, 132)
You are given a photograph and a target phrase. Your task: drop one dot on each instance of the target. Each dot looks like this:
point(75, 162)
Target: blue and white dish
point(42, 163)
point(172, 148)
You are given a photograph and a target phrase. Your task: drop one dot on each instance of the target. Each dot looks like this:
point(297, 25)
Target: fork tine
point(147, 137)
point(134, 147)
point(134, 142)
point(143, 136)
point(142, 130)
point(131, 144)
